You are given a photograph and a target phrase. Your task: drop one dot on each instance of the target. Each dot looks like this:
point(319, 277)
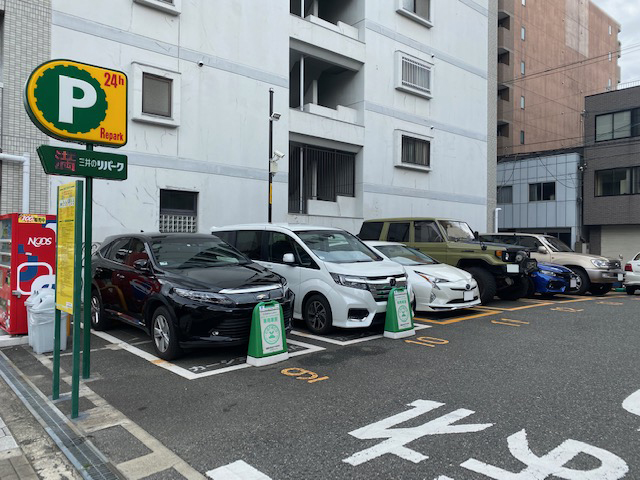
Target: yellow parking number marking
point(510, 322)
point(568, 309)
point(303, 374)
point(428, 341)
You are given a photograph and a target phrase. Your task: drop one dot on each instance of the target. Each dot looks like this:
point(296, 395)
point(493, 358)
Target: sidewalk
point(27, 452)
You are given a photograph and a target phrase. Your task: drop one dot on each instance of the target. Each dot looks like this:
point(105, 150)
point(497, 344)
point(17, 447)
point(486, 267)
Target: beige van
point(596, 274)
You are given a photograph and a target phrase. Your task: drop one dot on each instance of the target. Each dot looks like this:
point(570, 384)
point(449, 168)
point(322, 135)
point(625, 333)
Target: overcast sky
point(627, 13)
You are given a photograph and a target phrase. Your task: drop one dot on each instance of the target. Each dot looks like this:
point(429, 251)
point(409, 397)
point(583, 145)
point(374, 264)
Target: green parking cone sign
point(267, 340)
point(399, 320)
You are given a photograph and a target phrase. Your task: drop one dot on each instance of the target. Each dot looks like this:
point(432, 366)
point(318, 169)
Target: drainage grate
point(89, 462)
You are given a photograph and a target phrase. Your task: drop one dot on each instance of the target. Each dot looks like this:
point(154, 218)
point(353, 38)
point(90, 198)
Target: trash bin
point(41, 322)
point(30, 302)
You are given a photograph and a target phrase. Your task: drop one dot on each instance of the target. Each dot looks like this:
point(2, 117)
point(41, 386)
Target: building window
point(156, 95)
point(414, 75)
point(522, 102)
point(319, 174)
point(521, 137)
point(505, 194)
point(178, 211)
point(610, 57)
point(617, 125)
point(415, 151)
point(522, 33)
point(417, 10)
point(522, 67)
point(610, 29)
point(172, 7)
point(503, 130)
point(617, 181)
point(540, 192)
point(524, 3)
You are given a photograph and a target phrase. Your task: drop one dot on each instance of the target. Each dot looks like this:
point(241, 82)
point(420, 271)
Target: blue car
point(550, 279)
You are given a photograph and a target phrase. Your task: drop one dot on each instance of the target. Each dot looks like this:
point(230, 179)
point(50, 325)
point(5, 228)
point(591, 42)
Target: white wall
point(220, 148)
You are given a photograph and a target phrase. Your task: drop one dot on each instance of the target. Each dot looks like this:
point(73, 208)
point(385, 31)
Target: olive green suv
point(498, 269)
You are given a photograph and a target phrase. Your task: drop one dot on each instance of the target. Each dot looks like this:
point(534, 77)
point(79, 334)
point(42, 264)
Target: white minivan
point(338, 281)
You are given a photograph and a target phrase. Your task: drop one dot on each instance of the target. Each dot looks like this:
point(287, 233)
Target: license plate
point(511, 268)
point(573, 283)
point(467, 296)
point(620, 277)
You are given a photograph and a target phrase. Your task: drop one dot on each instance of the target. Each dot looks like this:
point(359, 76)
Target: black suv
point(185, 290)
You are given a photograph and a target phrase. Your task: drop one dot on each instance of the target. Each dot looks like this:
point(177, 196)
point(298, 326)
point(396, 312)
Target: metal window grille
point(319, 174)
point(178, 223)
point(416, 75)
point(415, 151)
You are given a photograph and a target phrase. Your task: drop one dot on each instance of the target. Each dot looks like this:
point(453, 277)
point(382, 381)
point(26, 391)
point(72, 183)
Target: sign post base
point(261, 362)
point(399, 320)
point(267, 341)
point(397, 335)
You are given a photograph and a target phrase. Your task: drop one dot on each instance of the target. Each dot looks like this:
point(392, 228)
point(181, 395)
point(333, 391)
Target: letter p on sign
point(68, 100)
point(77, 102)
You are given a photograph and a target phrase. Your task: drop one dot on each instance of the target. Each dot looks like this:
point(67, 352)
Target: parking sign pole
point(86, 360)
point(77, 308)
point(55, 389)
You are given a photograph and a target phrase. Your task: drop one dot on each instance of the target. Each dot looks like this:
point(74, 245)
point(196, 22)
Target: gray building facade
point(612, 172)
point(25, 31)
point(539, 193)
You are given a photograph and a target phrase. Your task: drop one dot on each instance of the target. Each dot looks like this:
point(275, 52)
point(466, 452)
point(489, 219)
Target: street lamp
point(273, 117)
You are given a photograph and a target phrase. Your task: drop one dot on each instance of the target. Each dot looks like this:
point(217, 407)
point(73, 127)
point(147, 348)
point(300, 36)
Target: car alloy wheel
point(317, 315)
point(99, 320)
point(161, 333)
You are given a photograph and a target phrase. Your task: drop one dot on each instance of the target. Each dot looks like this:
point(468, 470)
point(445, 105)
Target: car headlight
point(600, 263)
point(350, 281)
point(434, 281)
point(547, 272)
point(208, 297)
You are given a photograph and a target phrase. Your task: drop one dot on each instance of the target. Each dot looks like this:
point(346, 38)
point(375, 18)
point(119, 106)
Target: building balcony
point(505, 72)
point(505, 111)
point(335, 125)
point(505, 40)
point(505, 8)
point(337, 44)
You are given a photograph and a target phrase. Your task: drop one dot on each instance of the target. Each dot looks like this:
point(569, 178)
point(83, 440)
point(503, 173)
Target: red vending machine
point(27, 263)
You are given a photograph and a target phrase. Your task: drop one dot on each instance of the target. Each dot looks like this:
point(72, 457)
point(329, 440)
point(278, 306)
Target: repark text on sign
point(77, 102)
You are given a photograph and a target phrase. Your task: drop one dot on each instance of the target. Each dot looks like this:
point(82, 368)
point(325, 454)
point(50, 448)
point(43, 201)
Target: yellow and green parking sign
point(77, 102)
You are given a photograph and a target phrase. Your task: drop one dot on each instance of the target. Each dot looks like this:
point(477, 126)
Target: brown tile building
point(551, 54)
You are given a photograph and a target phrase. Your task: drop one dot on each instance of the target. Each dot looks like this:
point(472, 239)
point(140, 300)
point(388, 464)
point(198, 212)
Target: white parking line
point(333, 341)
point(183, 372)
point(238, 470)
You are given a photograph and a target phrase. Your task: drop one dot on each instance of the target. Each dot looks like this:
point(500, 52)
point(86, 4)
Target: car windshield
point(406, 255)
point(337, 247)
point(457, 231)
point(185, 252)
point(557, 245)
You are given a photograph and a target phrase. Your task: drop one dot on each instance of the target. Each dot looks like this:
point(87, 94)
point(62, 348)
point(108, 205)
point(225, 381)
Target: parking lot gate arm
point(399, 320)
point(267, 340)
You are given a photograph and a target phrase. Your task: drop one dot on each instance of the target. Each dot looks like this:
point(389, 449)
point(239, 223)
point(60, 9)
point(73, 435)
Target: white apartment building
point(382, 109)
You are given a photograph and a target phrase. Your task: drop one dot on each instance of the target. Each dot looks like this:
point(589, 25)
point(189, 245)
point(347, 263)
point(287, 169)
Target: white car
point(632, 275)
point(436, 286)
point(338, 281)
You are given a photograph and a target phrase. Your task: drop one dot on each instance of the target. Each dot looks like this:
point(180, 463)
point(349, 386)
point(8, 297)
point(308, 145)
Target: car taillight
point(627, 268)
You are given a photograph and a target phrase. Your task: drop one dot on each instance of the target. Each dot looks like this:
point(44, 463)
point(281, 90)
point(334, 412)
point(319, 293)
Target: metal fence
point(319, 174)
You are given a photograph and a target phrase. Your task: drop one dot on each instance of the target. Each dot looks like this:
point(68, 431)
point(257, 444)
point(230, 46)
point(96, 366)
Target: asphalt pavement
point(534, 387)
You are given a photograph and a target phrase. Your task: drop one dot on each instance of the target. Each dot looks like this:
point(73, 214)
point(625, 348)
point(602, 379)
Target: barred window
point(178, 211)
point(416, 151)
point(414, 75)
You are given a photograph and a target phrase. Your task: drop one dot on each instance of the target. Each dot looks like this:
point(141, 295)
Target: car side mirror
point(476, 235)
point(289, 258)
point(542, 249)
point(142, 265)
